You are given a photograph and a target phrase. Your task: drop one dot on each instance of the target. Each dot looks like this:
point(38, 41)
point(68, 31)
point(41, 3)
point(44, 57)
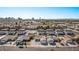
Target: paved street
point(8, 48)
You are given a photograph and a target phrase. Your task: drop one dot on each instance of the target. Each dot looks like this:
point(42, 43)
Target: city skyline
point(43, 12)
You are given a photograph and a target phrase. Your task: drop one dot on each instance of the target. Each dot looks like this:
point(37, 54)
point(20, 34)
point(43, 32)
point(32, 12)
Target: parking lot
point(35, 38)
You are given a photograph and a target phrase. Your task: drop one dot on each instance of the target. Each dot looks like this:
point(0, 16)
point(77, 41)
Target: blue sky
point(43, 12)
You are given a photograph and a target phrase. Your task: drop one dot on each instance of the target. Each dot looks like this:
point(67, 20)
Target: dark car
point(20, 46)
point(2, 42)
point(51, 33)
point(70, 32)
point(2, 33)
point(37, 40)
point(11, 33)
point(60, 33)
point(18, 42)
point(42, 33)
point(21, 33)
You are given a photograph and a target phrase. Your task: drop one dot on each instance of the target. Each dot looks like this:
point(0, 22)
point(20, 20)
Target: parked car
point(12, 33)
point(51, 33)
point(72, 44)
point(3, 42)
point(60, 33)
point(21, 33)
point(20, 46)
point(51, 42)
point(70, 32)
point(44, 42)
point(18, 42)
point(37, 40)
point(2, 33)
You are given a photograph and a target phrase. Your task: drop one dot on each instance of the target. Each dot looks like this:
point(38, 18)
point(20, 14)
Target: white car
point(72, 44)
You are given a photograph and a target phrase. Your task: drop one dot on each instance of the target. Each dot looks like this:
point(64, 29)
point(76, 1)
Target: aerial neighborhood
point(24, 33)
